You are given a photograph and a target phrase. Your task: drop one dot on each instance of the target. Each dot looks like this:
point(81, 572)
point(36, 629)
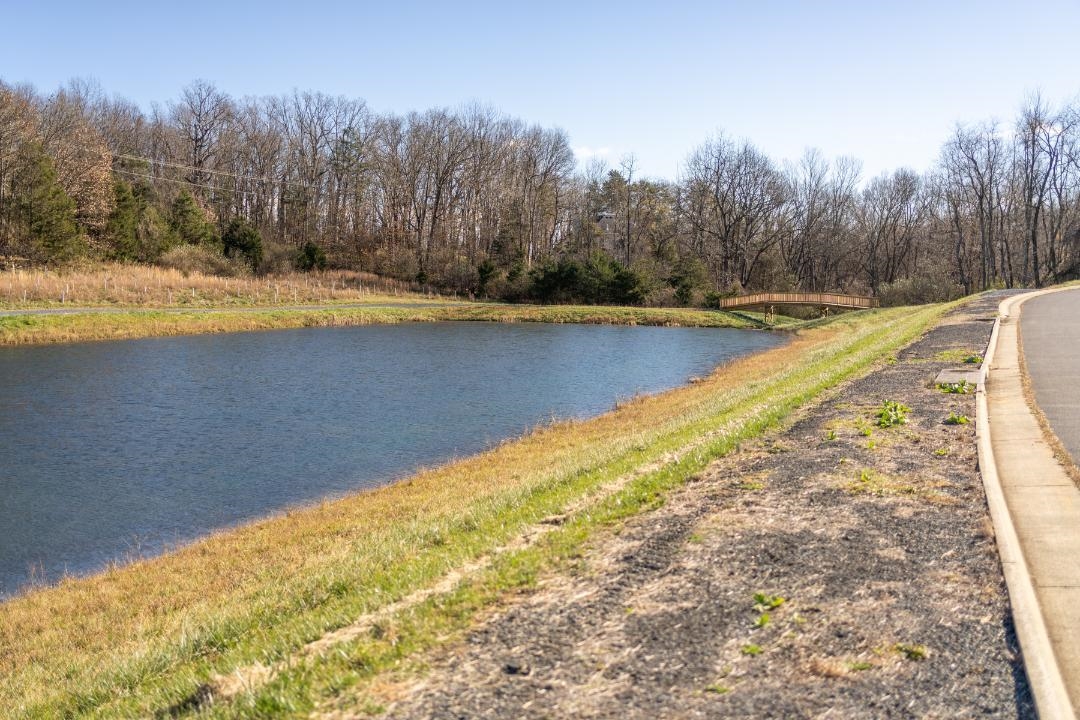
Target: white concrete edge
point(1044, 675)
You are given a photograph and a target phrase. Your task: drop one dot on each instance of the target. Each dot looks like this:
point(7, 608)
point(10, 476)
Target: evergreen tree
point(189, 221)
point(155, 236)
point(122, 227)
point(241, 239)
point(688, 275)
point(485, 271)
point(41, 211)
point(311, 257)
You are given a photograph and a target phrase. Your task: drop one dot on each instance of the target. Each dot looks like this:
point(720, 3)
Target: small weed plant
point(763, 602)
point(955, 419)
point(912, 652)
point(973, 359)
point(957, 388)
point(751, 650)
point(892, 413)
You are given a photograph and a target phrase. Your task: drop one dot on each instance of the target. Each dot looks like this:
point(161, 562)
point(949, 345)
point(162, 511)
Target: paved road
point(1034, 503)
point(1050, 331)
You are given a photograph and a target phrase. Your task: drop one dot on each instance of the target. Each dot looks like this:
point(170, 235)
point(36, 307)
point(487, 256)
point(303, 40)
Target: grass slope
point(43, 329)
point(164, 635)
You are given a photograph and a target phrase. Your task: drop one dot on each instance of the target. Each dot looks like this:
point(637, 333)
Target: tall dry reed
point(146, 285)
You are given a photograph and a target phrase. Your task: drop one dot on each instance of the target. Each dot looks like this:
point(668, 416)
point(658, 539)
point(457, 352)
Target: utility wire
point(192, 168)
point(181, 166)
point(181, 181)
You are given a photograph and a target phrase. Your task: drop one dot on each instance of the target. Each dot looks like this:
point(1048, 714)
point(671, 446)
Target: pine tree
point(43, 213)
point(154, 234)
point(135, 229)
point(123, 225)
point(311, 257)
point(189, 221)
point(242, 239)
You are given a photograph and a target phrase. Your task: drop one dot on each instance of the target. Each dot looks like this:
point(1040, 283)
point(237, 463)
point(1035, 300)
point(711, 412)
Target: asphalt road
point(1050, 332)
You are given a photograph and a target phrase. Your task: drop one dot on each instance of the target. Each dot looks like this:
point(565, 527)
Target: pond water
point(116, 450)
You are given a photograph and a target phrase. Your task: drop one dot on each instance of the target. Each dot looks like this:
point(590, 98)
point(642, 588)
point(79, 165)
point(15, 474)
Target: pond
point(116, 450)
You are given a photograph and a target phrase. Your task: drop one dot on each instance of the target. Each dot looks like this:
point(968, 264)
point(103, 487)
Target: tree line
point(473, 201)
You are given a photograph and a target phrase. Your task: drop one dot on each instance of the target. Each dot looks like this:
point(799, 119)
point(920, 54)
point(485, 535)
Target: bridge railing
point(799, 298)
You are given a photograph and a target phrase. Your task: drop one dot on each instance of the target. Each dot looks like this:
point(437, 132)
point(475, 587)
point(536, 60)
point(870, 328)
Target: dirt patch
point(832, 569)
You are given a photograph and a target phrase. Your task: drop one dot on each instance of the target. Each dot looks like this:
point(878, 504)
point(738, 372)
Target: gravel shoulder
point(879, 544)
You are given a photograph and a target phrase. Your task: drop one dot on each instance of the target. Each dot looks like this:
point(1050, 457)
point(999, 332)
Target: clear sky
point(885, 81)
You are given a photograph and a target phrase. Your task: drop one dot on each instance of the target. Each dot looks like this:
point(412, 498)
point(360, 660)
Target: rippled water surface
point(119, 449)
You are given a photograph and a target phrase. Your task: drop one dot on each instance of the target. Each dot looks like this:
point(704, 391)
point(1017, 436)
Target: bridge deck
point(798, 298)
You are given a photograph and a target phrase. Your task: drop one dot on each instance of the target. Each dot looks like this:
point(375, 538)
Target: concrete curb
point(1044, 674)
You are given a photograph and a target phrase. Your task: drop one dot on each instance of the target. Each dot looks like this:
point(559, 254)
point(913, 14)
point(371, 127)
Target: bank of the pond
point(278, 616)
point(833, 567)
point(140, 445)
point(27, 329)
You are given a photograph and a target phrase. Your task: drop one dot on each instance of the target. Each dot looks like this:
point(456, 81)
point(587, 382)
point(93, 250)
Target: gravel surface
point(879, 544)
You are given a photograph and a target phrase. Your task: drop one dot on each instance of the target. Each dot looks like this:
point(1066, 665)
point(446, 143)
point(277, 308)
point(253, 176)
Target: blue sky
point(883, 81)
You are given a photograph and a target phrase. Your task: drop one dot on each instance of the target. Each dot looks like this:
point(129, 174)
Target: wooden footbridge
point(827, 300)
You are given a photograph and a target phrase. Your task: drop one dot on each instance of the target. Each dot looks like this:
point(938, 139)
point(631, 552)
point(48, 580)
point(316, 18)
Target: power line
point(181, 181)
point(239, 176)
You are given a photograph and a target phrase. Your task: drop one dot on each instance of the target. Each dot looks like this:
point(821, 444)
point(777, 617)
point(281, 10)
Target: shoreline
point(375, 446)
point(836, 565)
point(270, 588)
point(49, 325)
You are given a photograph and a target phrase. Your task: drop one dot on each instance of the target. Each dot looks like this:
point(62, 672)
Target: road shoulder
point(1036, 510)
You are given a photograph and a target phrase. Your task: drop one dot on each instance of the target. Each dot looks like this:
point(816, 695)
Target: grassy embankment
point(43, 329)
point(234, 617)
point(116, 285)
point(146, 302)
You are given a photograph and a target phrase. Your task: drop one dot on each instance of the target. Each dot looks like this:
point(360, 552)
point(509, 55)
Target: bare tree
point(890, 214)
point(973, 180)
point(200, 119)
point(79, 155)
point(733, 195)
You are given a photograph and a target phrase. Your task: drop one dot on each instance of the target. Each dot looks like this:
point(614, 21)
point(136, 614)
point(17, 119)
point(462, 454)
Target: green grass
point(142, 639)
point(135, 323)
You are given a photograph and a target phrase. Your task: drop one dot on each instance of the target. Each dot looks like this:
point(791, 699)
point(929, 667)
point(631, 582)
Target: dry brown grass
point(114, 614)
point(128, 323)
point(150, 286)
point(872, 482)
point(99, 637)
